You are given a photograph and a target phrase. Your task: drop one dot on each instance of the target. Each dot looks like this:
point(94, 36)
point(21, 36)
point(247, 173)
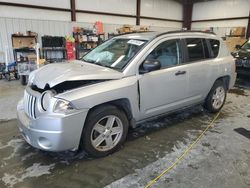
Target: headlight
point(45, 99)
point(63, 106)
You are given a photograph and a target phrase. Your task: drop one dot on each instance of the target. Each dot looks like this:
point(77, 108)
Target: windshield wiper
point(89, 61)
point(103, 65)
point(100, 64)
point(95, 62)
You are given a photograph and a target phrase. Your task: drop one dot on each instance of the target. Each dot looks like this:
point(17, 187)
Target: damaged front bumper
point(55, 132)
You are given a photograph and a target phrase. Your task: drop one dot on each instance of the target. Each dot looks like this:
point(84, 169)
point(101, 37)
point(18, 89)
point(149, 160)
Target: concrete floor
point(220, 159)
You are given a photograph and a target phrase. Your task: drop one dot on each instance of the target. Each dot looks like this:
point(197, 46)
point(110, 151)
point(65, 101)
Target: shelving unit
point(46, 53)
point(53, 49)
point(22, 51)
point(23, 46)
point(85, 41)
point(111, 35)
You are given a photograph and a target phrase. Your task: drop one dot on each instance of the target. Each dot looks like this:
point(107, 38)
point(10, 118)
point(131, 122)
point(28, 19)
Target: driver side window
point(168, 53)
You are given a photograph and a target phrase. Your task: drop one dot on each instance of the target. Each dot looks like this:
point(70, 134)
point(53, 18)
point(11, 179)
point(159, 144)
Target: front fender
point(89, 96)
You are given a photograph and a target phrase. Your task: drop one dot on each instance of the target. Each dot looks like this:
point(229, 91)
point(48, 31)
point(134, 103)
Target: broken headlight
point(63, 106)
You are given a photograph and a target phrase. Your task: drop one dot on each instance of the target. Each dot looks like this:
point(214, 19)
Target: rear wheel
point(105, 131)
point(216, 97)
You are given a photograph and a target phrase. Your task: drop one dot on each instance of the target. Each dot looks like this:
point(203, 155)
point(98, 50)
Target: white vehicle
point(91, 103)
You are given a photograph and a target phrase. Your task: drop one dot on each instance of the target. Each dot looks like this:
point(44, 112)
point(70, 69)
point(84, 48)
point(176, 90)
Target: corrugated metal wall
point(18, 19)
point(221, 9)
point(9, 26)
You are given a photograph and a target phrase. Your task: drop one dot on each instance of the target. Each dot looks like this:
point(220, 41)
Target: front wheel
point(105, 131)
point(216, 97)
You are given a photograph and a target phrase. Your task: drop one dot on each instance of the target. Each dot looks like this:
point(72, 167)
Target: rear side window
point(215, 46)
point(195, 49)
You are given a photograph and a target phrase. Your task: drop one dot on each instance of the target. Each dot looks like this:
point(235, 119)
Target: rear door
point(199, 68)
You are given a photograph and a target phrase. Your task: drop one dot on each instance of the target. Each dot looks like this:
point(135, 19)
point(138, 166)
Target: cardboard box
point(42, 61)
point(23, 42)
point(238, 31)
point(32, 57)
point(231, 42)
point(125, 29)
point(143, 29)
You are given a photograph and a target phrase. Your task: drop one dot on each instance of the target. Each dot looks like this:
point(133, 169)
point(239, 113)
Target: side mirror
point(237, 46)
point(150, 65)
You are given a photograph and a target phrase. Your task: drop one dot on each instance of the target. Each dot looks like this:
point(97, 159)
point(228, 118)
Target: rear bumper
point(52, 132)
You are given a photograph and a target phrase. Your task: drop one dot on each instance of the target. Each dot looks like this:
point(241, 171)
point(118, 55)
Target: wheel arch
point(122, 103)
point(208, 103)
point(225, 79)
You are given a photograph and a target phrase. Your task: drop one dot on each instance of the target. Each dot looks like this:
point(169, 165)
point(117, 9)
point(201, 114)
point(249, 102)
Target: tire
point(97, 132)
point(23, 80)
point(216, 97)
point(7, 77)
point(16, 75)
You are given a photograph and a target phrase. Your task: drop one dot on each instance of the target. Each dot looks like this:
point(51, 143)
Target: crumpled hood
point(57, 73)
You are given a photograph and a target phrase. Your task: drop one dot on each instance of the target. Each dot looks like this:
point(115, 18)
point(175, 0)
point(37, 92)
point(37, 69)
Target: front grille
point(29, 104)
point(247, 63)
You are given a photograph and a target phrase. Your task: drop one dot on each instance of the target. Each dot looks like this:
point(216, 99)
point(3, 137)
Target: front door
point(165, 89)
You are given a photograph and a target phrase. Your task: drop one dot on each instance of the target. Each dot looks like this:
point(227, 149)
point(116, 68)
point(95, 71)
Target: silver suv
point(91, 103)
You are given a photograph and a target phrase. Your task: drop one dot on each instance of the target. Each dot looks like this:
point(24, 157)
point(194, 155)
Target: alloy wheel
point(106, 133)
point(218, 97)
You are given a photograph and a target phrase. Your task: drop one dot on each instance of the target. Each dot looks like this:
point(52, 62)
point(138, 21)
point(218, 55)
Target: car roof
point(140, 36)
point(152, 34)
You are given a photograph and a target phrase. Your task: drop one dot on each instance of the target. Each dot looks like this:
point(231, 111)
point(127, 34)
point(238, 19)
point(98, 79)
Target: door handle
point(180, 73)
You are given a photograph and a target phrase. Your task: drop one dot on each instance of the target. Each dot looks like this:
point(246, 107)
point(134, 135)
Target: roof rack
point(186, 31)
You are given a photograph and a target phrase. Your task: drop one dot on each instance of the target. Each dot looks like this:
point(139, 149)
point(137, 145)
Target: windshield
point(114, 53)
point(246, 45)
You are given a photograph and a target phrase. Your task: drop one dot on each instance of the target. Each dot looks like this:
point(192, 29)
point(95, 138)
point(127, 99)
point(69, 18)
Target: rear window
point(195, 49)
point(215, 45)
